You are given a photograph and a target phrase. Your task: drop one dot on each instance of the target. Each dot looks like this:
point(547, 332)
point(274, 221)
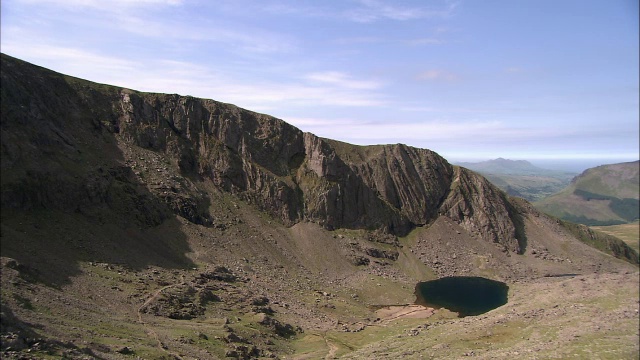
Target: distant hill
point(505, 166)
point(604, 195)
point(521, 178)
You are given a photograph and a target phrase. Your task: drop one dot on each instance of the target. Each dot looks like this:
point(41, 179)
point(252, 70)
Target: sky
point(472, 80)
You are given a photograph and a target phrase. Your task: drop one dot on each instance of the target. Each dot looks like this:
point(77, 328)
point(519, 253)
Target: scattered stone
point(260, 301)
point(125, 350)
point(233, 338)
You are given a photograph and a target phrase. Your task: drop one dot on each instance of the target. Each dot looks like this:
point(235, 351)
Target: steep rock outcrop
point(337, 196)
point(482, 209)
point(392, 187)
point(242, 152)
point(56, 154)
point(288, 173)
point(292, 175)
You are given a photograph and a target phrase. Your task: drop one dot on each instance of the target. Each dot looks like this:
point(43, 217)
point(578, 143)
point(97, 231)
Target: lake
point(465, 295)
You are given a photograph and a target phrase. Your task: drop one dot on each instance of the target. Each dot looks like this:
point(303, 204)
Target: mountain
point(604, 195)
point(521, 178)
point(167, 226)
point(504, 166)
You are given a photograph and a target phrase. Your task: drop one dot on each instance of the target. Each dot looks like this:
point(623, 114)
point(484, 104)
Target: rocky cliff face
point(477, 206)
point(290, 174)
point(74, 126)
point(298, 176)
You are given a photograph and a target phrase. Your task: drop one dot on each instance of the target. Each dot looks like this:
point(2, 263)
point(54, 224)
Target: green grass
point(603, 242)
point(605, 195)
point(24, 302)
point(529, 187)
point(312, 345)
point(629, 233)
point(625, 208)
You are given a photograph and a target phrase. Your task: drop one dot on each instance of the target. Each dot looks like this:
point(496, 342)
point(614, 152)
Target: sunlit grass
point(629, 233)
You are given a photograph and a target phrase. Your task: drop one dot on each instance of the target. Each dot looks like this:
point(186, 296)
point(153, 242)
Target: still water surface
point(466, 295)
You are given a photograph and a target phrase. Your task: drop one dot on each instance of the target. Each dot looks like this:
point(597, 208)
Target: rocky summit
point(164, 226)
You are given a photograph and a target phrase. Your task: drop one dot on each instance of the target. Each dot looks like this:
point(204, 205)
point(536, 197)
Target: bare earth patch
point(395, 312)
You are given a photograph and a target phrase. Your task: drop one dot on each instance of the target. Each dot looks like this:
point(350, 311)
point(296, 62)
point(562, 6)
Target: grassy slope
point(618, 181)
point(529, 187)
point(574, 318)
point(629, 233)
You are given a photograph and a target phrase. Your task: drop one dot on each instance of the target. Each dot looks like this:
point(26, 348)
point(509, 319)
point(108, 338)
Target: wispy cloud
point(461, 138)
point(362, 11)
point(424, 41)
point(382, 40)
point(449, 136)
point(152, 19)
point(379, 130)
point(292, 8)
point(446, 110)
point(187, 78)
point(513, 70)
point(245, 39)
point(436, 74)
point(342, 80)
point(81, 61)
point(464, 138)
point(360, 40)
point(440, 130)
point(262, 95)
point(112, 5)
point(373, 10)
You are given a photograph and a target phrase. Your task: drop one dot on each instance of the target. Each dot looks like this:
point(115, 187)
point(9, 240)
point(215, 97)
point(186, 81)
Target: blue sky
point(471, 80)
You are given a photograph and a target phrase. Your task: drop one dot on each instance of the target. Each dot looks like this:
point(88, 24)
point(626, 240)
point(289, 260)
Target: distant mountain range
point(521, 178)
point(604, 195)
point(508, 167)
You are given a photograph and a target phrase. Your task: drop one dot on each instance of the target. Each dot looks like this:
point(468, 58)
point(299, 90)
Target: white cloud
point(69, 60)
point(373, 10)
point(342, 80)
point(187, 78)
point(255, 95)
point(243, 39)
point(424, 41)
point(435, 74)
point(459, 133)
point(513, 69)
point(419, 109)
point(384, 41)
point(291, 8)
point(104, 5)
point(366, 132)
point(129, 20)
point(360, 40)
point(364, 11)
point(463, 140)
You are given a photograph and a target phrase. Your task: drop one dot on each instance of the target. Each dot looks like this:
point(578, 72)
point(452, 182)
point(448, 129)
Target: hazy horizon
point(569, 165)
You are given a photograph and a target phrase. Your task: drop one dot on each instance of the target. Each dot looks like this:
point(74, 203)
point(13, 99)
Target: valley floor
point(107, 312)
point(250, 288)
point(582, 317)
